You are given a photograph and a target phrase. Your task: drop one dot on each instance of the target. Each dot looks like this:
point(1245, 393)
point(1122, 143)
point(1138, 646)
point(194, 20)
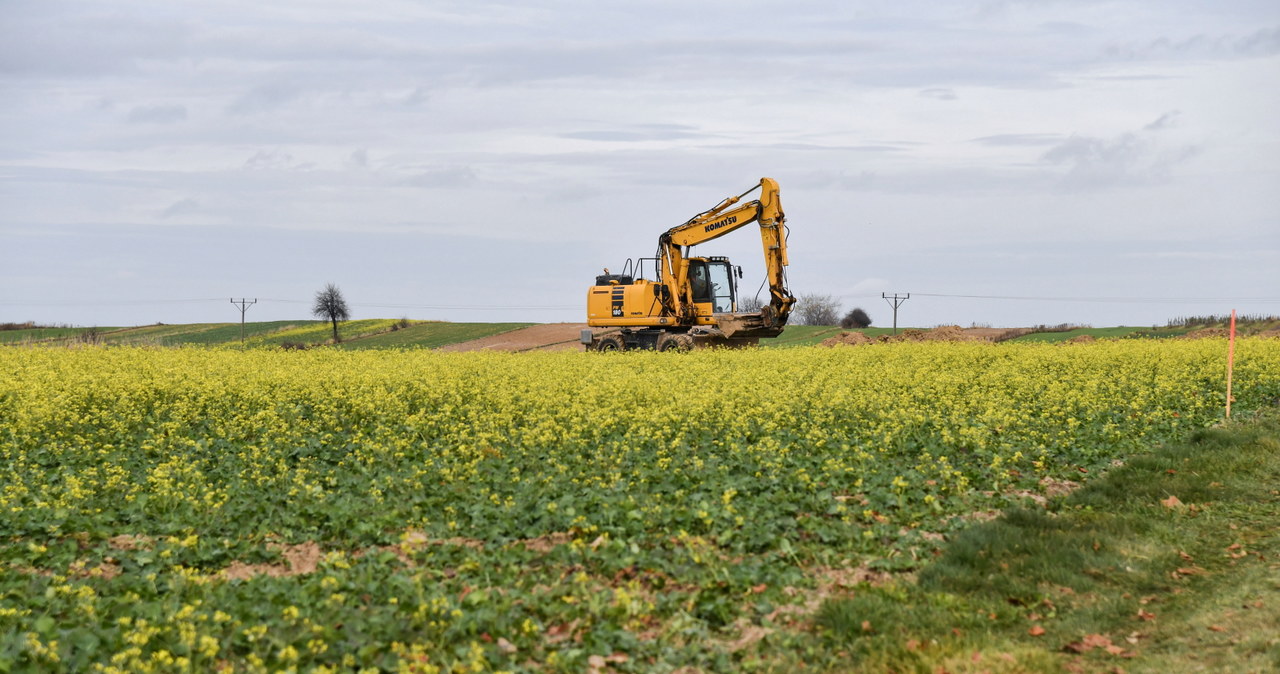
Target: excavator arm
point(719, 221)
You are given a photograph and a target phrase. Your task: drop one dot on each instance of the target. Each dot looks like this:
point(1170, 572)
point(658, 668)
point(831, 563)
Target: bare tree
point(856, 319)
point(815, 309)
point(331, 306)
point(750, 304)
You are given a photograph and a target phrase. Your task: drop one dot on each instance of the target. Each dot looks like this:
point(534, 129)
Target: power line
point(469, 307)
point(1121, 300)
point(378, 305)
point(106, 303)
point(1131, 300)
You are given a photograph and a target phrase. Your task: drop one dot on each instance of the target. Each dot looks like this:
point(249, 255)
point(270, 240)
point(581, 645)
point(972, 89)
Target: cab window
point(698, 281)
point(721, 287)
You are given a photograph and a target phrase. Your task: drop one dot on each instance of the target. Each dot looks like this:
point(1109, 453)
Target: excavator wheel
point(611, 343)
point(675, 341)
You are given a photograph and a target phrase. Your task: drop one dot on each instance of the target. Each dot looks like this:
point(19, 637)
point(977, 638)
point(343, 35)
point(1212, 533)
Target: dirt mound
point(986, 334)
point(1080, 339)
point(1273, 333)
point(948, 333)
point(848, 339)
point(943, 333)
point(1207, 333)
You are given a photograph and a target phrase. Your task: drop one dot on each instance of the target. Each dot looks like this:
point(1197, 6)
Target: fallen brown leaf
point(1171, 502)
point(1036, 631)
point(1096, 640)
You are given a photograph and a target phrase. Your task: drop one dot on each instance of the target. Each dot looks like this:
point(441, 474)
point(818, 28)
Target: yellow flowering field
point(328, 510)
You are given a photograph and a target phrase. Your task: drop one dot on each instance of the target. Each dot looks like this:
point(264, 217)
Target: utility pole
point(895, 301)
point(243, 305)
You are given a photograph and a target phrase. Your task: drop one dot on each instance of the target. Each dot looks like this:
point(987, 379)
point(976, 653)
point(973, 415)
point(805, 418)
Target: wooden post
point(1231, 359)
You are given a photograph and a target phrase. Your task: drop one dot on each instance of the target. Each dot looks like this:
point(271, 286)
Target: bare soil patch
point(848, 339)
point(130, 542)
point(299, 559)
point(943, 333)
point(1207, 333)
point(548, 337)
point(989, 334)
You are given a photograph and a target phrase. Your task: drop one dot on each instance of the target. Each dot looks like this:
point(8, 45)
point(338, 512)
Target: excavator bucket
point(749, 325)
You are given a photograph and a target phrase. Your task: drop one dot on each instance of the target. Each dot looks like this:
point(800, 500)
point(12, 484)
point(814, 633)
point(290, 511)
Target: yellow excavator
point(692, 302)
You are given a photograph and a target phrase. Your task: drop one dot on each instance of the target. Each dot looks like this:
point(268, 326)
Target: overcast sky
point(484, 160)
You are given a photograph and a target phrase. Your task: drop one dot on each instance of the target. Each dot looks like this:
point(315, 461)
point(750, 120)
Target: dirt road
point(548, 337)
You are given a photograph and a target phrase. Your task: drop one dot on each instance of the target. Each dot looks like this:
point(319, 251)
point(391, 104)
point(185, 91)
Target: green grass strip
point(1168, 563)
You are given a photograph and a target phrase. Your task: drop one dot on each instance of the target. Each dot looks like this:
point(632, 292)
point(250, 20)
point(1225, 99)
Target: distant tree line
point(815, 309)
point(1214, 319)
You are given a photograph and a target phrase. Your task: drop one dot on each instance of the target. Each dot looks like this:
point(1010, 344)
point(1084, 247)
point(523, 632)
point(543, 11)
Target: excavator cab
point(713, 285)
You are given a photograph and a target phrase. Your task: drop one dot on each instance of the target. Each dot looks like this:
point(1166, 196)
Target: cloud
point(275, 160)
point(1019, 139)
point(41, 39)
point(940, 93)
point(638, 133)
point(888, 124)
point(1132, 158)
point(1258, 43)
point(1166, 121)
point(180, 207)
point(1264, 42)
point(442, 176)
point(157, 114)
point(264, 98)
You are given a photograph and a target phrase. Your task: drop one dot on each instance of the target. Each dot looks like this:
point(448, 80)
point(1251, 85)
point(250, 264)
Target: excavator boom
point(723, 219)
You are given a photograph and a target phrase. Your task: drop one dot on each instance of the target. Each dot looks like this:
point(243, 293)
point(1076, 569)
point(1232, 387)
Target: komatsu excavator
point(692, 302)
